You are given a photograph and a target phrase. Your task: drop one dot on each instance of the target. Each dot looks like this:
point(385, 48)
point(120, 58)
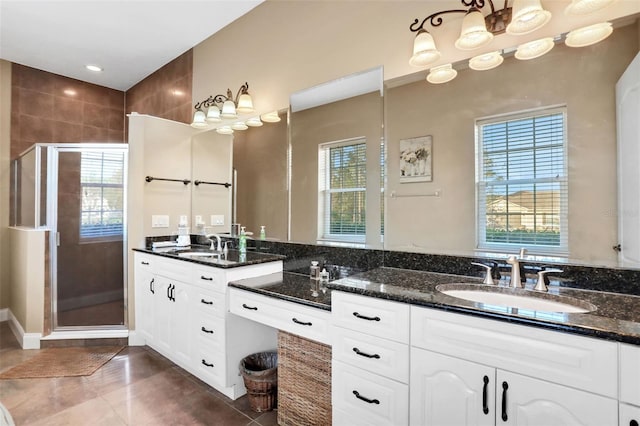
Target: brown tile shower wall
point(166, 93)
point(47, 107)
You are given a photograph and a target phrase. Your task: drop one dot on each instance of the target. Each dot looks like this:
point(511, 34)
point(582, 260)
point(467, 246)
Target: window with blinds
point(342, 190)
point(101, 180)
point(522, 188)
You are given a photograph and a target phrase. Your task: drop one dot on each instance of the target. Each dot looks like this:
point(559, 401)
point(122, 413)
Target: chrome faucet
point(516, 279)
point(488, 278)
point(215, 247)
point(541, 285)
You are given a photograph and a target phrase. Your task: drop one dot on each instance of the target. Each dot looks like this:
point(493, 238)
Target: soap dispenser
point(242, 240)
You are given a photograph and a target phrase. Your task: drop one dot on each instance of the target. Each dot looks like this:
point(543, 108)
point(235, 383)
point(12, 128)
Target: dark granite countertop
point(288, 286)
point(233, 259)
point(616, 317)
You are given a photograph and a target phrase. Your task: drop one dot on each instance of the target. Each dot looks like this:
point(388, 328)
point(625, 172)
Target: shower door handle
point(57, 239)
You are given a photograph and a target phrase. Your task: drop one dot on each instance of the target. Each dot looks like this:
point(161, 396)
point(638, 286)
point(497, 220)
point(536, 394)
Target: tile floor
point(137, 387)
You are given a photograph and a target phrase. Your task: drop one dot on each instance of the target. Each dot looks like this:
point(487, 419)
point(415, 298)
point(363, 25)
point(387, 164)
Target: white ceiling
point(128, 39)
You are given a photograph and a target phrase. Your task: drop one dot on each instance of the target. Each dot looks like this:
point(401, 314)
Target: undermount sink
point(516, 298)
point(199, 254)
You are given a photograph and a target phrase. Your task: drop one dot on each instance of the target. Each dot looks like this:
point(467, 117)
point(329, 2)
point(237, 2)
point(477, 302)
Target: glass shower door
point(88, 253)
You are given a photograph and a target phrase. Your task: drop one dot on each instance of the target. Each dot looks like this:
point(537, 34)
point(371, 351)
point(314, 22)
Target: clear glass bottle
point(324, 276)
point(314, 271)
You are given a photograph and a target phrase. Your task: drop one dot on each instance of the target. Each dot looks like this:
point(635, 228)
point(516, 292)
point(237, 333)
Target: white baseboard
point(135, 339)
point(4, 314)
point(87, 334)
point(26, 340)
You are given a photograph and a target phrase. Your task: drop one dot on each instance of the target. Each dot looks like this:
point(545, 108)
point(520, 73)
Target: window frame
point(105, 237)
point(324, 193)
point(481, 215)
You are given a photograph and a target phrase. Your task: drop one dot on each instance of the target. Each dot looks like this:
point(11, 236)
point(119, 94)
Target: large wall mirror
point(430, 204)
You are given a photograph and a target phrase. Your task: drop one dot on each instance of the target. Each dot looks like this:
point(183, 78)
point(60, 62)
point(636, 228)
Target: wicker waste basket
point(260, 374)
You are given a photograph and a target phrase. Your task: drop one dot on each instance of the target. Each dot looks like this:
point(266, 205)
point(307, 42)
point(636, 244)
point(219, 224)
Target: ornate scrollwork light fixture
point(522, 17)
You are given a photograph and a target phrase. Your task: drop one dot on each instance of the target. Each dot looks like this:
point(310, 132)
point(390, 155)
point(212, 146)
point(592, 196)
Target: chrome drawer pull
point(251, 308)
point(202, 277)
point(206, 302)
point(206, 331)
point(357, 315)
point(366, 355)
point(360, 397)
point(205, 363)
point(300, 322)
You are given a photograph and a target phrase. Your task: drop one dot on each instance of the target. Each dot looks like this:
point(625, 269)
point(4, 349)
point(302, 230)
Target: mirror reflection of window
point(522, 188)
point(342, 187)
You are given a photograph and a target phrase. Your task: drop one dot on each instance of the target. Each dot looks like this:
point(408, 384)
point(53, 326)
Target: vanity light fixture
point(270, 117)
point(587, 36)
point(254, 122)
point(486, 61)
point(583, 7)
point(441, 74)
point(224, 130)
point(224, 106)
point(239, 125)
point(199, 120)
point(524, 16)
point(534, 49)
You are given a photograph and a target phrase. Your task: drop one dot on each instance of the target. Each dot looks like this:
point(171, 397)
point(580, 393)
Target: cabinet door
point(629, 415)
point(449, 391)
point(145, 283)
point(522, 400)
point(181, 308)
point(163, 308)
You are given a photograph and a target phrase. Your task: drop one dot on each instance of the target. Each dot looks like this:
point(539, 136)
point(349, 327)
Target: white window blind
point(522, 188)
point(342, 191)
point(101, 180)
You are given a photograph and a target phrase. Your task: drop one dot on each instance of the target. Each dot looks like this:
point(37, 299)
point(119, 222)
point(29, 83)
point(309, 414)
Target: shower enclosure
point(78, 193)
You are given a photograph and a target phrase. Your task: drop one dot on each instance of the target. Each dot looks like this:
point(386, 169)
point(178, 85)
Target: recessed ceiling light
point(93, 68)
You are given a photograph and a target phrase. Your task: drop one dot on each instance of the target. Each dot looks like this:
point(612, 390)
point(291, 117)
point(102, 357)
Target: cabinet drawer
point(144, 261)
point(562, 358)
point(369, 397)
point(381, 318)
point(380, 356)
point(630, 374)
point(210, 302)
point(170, 268)
point(209, 278)
point(629, 413)
point(210, 331)
point(304, 321)
point(209, 365)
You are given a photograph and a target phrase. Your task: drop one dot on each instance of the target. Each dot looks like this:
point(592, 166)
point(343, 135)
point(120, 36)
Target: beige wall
point(5, 173)
point(583, 79)
point(27, 275)
point(162, 148)
point(260, 159)
point(283, 46)
point(355, 117)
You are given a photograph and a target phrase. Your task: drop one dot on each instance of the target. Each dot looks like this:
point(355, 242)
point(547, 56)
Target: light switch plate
point(217, 220)
point(159, 221)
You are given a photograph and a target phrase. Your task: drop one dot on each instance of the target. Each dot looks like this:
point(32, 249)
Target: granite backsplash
point(343, 261)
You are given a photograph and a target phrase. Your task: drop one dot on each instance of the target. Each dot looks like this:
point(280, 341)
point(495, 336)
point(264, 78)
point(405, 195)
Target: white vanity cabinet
point(472, 371)
point(182, 312)
point(370, 360)
point(304, 321)
point(629, 385)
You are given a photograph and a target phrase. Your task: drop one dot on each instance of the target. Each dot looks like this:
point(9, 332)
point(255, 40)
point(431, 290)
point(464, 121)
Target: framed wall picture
point(416, 159)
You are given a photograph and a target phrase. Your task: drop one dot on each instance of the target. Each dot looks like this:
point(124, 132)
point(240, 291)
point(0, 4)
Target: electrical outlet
point(217, 220)
point(159, 221)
